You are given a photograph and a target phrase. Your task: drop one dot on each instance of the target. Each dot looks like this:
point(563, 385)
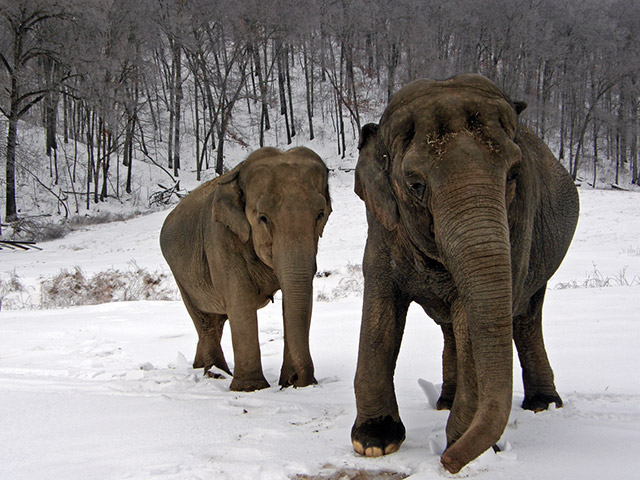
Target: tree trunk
point(264, 111)
point(128, 151)
point(220, 153)
point(622, 124)
point(634, 143)
point(196, 126)
point(90, 120)
point(177, 108)
point(351, 84)
point(11, 214)
point(51, 115)
point(595, 153)
point(562, 121)
point(12, 136)
point(281, 88)
point(309, 89)
point(391, 74)
point(107, 145)
point(65, 116)
point(369, 53)
point(172, 112)
point(546, 92)
point(288, 75)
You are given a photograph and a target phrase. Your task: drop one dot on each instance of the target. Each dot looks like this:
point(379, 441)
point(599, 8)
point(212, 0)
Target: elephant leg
point(378, 429)
point(537, 375)
point(209, 352)
point(465, 401)
point(247, 374)
point(287, 367)
point(209, 327)
point(449, 369)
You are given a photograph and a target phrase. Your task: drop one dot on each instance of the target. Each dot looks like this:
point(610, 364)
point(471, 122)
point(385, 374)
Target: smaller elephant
point(236, 240)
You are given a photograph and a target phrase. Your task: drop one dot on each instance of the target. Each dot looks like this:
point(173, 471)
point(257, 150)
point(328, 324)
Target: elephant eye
point(508, 130)
point(513, 174)
point(263, 219)
point(417, 188)
point(320, 216)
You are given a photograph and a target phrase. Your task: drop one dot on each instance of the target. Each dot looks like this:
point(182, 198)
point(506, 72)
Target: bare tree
point(20, 23)
point(127, 71)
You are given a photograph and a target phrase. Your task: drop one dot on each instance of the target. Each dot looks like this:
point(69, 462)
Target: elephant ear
point(372, 182)
point(328, 209)
point(228, 207)
point(519, 106)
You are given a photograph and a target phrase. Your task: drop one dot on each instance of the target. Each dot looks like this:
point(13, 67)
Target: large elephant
point(469, 215)
point(234, 241)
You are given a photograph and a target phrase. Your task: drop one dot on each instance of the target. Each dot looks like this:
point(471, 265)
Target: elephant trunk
point(295, 268)
point(470, 222)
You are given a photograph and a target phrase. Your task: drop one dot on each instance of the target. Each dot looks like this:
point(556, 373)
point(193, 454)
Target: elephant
point(469, 214)
point(237, 239)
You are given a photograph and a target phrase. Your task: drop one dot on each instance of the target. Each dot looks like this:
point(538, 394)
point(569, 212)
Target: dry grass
point(70, 288)
point(12, 292)
point(351, 282)
point(596, 279)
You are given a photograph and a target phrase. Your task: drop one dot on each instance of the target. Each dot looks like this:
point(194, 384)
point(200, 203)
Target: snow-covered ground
point(107, 391)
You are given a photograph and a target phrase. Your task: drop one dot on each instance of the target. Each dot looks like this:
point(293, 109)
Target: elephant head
point(441, 170)
point(278, 203)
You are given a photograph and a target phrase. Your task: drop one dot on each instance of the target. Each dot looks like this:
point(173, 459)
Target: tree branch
point(26, 108)
point(6, 64)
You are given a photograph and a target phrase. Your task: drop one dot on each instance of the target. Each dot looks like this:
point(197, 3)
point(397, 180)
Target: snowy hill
point(108, 391)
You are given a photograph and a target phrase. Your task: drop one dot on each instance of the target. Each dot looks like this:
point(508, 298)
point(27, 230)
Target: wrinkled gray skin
point(234, 241)
point(469, 215)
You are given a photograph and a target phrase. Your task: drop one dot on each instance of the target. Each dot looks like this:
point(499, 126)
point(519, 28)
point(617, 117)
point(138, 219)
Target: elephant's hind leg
point(209, 351)
point(209, 327)
point(247, 374)
point(537, 375)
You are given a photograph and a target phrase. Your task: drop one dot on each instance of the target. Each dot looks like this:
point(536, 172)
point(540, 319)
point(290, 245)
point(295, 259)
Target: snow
point(108, 391)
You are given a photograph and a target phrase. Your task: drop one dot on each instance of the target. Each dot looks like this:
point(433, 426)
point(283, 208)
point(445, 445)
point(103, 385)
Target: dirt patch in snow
point(353, 474)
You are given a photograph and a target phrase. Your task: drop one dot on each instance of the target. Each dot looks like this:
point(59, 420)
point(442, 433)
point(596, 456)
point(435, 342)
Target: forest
point(172, 83)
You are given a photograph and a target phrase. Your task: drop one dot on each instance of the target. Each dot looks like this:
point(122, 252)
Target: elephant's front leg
point(247, 372)
point(378, 429)
point(449, 369)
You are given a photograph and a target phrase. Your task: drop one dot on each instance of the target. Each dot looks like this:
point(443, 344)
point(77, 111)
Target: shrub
point(351, 282)
point(37, 229)
point(70, 288)
point(12, 292)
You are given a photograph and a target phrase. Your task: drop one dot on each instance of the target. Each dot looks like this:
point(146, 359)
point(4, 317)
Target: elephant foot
point(219, 363)
point(289, 377)
point(540, 401)
point(451, 463)
point(295, 382)
point(378, 436)
point(215, 375)
point(248, 385)
point(448, 393)
point(222, 366)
